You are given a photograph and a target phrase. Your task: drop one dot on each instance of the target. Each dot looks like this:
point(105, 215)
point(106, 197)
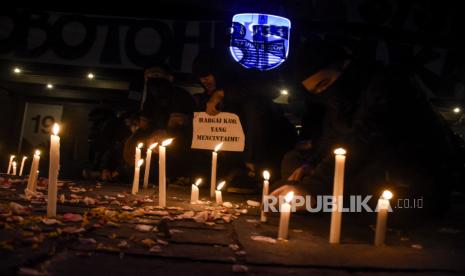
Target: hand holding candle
point(338, 191)
point(285, 210)
point(219, 196)
point(213, 172)
point(22, 166)
point(195, 191)
point(31, 183)
point(162, 172)
point(266, 177)
point(135, 182)
point(12, 157)
point(54, 167)
point(148, 160)
point(381, 220)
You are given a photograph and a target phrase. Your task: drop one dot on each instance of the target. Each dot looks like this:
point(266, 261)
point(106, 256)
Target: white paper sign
point(224, 128)
point(38, 121)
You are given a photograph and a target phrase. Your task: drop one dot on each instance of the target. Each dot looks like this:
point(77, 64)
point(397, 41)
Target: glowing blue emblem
point(259, 41)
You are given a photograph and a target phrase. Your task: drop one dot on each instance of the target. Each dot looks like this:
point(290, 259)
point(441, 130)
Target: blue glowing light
point(259, 41)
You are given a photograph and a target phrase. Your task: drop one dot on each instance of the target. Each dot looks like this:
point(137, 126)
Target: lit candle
point(31, 183)
point(338, 190)
point(162, 172)
point(266, 184)
point(213, 173)
point(219, 197)
point(195, 191)
point(138, 154)
point(381, 220)
point(10, 164)
point(148, 160)
point(54, 167)
point(22, 166)
point(135, 182)
point(14, 167)
point(285, 210)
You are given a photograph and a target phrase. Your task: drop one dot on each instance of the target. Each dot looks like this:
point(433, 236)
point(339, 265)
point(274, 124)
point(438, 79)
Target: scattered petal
point(89, 201)
point(73, 230)
point(19, 209)
point(72, 217)
point(417, 246)
point(149, 242)
point(240, 268)
point(49, 221)
point(144, 228)
point(234, 246)
point(87, 241)
point(253, 203)
point(263, 239)
point(227, 204)
point(155, 249)
point(123, 244)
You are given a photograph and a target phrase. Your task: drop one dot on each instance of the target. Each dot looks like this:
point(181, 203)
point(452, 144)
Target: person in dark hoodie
point(249, 94)
point(383, 121)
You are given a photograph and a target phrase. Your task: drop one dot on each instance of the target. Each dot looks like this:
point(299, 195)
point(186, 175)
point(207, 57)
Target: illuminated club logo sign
point(260, 41)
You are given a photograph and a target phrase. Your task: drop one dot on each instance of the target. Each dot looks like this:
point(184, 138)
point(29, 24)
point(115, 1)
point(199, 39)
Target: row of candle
point(12, 165)
point(285, 209)
point(215, 191)
point(383, 205)
point(54, 166)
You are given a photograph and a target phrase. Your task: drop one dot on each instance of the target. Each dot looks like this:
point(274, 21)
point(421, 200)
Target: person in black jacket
point(249, 94)
point(383, 121)
point(167, 112)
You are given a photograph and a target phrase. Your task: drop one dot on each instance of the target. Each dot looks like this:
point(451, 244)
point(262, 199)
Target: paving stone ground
point(107, 240)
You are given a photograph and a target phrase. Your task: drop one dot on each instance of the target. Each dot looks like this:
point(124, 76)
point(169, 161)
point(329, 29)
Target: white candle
point(338, 190)
point(148, 160)
point(10, 164)
point(381, 220)
point(135, 182)
point(285, 214)
point(22, 166)
point(138, 154)
point(218, 195)
point(54, 167)
point(266, 184)
point(213, 172)
point(31, 183)
point(14, 167)
point(162, 172)
point(195, 191)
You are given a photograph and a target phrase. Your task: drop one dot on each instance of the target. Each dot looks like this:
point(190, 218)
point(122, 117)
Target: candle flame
point(140, 145)
point(288, 198)
point(55, 129)
point(37, 153)
point(198, 182)
point(152, 146)
point(266, 175)
point(24, 157)
point(167, 142)
point(141, 161)
point(12, 156)
point(340, 151)
point(218, 147)
point(387, 194)
point(220, 186)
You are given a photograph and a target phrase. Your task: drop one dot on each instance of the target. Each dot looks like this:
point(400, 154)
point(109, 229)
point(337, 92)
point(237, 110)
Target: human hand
point(285, 189)
point(300, 172)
